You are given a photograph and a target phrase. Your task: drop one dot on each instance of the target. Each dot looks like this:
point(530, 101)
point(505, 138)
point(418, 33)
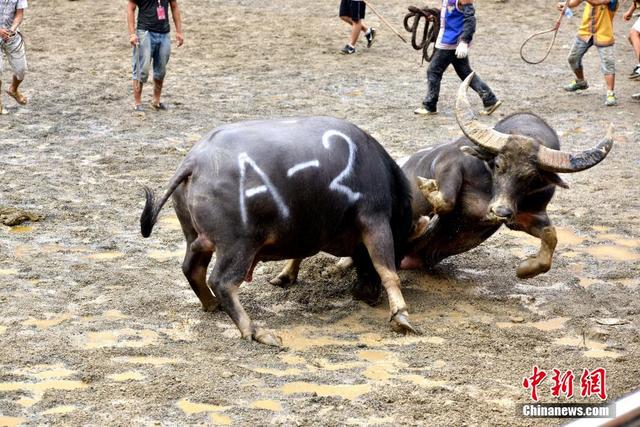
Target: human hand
point(179, 38)
point(133, 39)
point(561, 5)
point(462, 50)
point(5, 34)
point(627, 16)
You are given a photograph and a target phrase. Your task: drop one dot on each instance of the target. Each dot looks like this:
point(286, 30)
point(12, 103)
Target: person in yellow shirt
point(596, 29)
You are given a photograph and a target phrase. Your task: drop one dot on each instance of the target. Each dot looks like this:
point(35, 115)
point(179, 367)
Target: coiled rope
point(431, 18)
point(11, 47)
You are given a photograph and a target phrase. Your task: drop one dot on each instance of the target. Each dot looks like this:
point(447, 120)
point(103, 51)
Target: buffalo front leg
point(231, 267)
point(537, 225)
point(441, 198)
point(378, 240)
point(288, 275)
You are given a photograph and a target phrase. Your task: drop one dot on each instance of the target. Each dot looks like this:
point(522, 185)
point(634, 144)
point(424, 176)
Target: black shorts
point(353, 9)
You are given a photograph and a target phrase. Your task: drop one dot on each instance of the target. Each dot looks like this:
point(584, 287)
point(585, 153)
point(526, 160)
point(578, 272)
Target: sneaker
point(422, 111)
point(576, 85)
point(611, 100)
point(348, 50)
point(370, 36)
point(635, 74)
point(489, 109)
point(636, 96)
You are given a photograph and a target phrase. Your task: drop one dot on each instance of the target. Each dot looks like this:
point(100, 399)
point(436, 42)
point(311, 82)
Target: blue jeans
point(156, 46)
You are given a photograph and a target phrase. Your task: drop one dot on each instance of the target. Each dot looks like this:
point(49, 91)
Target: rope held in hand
point(555, 29)
point(17, 47)
point(431, 18)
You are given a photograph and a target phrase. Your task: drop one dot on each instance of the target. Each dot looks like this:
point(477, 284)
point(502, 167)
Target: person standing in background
point(12, 46)
point(352, 12)
point(457, 27)
point(150, 40)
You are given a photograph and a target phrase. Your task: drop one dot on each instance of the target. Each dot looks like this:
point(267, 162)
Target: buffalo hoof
point(210, 307)
point(400, 323)
point(282, 281)
point(344, 263)
point(427, 185)
point(267, 338)
point(530, 268)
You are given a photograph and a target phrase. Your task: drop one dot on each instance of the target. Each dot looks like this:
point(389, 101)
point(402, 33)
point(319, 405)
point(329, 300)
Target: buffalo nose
point(502, 212)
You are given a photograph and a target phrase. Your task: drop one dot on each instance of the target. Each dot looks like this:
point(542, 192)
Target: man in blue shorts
point(352, 12)
point(151, 41)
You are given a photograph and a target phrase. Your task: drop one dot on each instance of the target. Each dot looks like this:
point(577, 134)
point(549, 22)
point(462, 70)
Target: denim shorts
point(607, 56)
point(152, 46)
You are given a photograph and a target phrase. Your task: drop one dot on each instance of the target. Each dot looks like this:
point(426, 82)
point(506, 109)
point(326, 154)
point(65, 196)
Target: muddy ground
point(98, 326)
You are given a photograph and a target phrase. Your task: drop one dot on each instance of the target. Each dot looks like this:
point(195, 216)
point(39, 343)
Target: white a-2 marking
point(336, 183)
point(301, 166)
point(243, 161)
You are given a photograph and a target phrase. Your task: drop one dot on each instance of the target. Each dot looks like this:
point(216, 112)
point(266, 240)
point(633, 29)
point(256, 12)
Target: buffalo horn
point(483, 136)
point(563, 162)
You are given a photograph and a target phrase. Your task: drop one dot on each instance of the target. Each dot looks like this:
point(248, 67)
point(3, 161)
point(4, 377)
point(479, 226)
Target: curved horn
point(483, 136)
point(563, 162)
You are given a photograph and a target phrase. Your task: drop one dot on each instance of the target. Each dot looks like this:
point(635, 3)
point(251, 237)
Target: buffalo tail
point(152, 206)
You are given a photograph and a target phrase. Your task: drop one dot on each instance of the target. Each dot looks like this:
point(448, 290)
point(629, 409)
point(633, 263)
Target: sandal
point(158, 107)
point(20, 98)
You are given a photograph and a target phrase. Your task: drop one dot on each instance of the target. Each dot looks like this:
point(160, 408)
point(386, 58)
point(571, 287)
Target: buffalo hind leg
point(537, 225)
point(228, 274)
point(368, 287)
point(289, 274)
point(194, 268)
point(198, 254)
point(378, 240)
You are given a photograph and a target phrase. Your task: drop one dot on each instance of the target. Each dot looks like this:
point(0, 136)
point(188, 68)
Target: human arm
point(468, 27)
point(569, 3)
point(131, 22)
point(17, 20)
point(177, 20)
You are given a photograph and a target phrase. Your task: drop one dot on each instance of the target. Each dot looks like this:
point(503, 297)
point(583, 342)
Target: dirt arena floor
point(98, 326)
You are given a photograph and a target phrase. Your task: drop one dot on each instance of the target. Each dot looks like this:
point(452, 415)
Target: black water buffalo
point(505, 175)
point(279, 189)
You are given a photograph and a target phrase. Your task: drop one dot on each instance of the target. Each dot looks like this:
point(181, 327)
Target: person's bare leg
point(137, 92)
point(157, 91)
point(634, 39)
point(579, 74)
point(15, 83)
point(610, 79)
point(355, 33)
point(347, 19)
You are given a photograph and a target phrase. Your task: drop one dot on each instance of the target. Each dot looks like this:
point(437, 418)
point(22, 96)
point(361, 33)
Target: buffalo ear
point(554, 178)
point(481, 154)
